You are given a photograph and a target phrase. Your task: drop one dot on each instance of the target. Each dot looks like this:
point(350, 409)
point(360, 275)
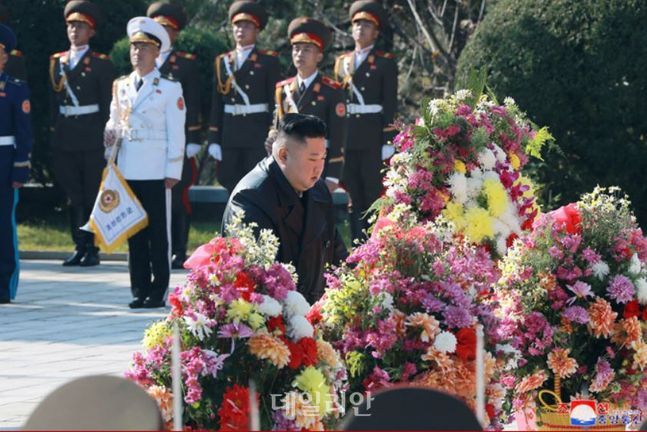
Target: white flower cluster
point(638, 270)
point(296, 308)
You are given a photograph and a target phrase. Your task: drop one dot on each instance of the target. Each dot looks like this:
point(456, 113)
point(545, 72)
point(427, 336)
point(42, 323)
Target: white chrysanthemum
point(499, 153)
point(508, 102)
point(299, 327)
point(635, 266)
point(501, 246)
point(198, 326)
point(491, 175)
point(486, 158)
point(600, 269)
point(510, 218)
point(474, 186)
point(462, 95)
point(641, 288)
point(445, 342)
point(387, 301)
point(458, 187)
point(296, 304)
point(501, 228)
point(270, 306)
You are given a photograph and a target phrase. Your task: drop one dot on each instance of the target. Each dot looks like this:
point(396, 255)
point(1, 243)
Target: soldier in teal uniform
point(15, 151)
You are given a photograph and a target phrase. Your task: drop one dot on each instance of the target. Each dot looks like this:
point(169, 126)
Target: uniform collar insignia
point(253, 57)
point(172, 58)
point(316, 87)
point(156, 81)
point(371, 58)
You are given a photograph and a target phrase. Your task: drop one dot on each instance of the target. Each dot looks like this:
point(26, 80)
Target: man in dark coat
point(15, 66)
point(243, 96)
point(370, 78)
point(181, 66)
point(284, 193)
point(81, 89)
point(310, 92)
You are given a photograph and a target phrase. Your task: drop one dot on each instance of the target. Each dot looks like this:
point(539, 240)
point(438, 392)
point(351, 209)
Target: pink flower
point(621, 289)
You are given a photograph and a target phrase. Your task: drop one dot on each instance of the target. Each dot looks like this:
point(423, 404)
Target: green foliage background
point(578, 67)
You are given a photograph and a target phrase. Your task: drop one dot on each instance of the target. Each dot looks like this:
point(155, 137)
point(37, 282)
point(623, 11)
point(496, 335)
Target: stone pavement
point(66, 323)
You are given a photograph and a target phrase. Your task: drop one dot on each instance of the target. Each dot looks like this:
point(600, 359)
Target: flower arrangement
point(241, 319)
point(463, 159)
point(574, 297)
point(405, 306)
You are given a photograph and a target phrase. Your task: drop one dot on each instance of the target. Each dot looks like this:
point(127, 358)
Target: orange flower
point(302, 411)
point(532, 382)
point(627, 331)
point(164, 399)
point(399, 318)
point(430, 326)
point(640, 355)
point(442, 360)
point(560, 363)
point(268, 347)
point(601, 318)
point(547, 281)
point(326, 353)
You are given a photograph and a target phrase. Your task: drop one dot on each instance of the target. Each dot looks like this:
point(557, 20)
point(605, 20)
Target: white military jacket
point(151, 124)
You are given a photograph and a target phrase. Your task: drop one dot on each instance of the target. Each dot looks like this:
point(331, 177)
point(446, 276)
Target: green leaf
point(542, 136)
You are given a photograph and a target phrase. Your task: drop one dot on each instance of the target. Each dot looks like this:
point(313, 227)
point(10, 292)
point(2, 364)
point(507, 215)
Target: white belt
point(144, 134)
point(246, 109)
point(71, 110)
point(7, 140)
point(364, 109)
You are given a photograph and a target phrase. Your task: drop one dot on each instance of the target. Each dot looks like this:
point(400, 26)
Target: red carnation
point(296, 354)
point(568, 217)
point(632, 309)
point(276, 323)
point(245, 285)
point(489, 409)
point(644, 314)
point(176, 305)
point(466, 344)
point(234, 410)
point(309, 349)
point(314, 315)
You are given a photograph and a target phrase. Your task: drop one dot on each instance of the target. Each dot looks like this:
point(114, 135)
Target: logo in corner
point(583, 413)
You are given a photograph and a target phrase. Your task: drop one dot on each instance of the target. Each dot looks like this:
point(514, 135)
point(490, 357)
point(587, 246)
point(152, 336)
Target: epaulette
point(268, 52)
point(384, 54)
point(100, 56)
point(58, 55)
point(16, 53)
point(186, 55)
point(330, 82)
point(285, 81)
point(17, 81)
point(123, 77)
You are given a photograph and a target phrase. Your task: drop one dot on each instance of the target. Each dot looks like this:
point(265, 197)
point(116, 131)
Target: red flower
point(309, 348)
point(568, 217)
point(234, 410)
point(644, 314)
point(511, 238)
point(489, 409)
point(466, 344)
point(176, 305)
point(210, 252)
point(245, 285)
point(296, 354)
point(276, 323)
point(314, 315)
point(632, 309)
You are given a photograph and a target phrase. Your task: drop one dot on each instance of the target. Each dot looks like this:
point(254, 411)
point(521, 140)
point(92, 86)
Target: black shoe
point(177, 263)
point(74, 259)
point(138, 303)
point(149, 303)
point(91, 258)
point(4, 300)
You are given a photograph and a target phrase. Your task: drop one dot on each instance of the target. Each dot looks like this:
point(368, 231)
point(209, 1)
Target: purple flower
point(234, 330)
point(576, 314)
point(621, 289)
point(457, 317)
point(432, 304)
point(555, 252)
point(591, 256)
point(580, 289)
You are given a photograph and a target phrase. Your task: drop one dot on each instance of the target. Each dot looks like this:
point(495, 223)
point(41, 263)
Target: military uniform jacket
point(90, 82)
point(376, 89)
point(181, 66)
point(234, 121)
point(324, 98)
point(305, 227)
point(15, 124)
point(150, 123)
point(16, 66)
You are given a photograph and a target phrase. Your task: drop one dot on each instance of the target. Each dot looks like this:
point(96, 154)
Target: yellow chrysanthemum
point(267, 347)
point(313, 382)
point(478, 224)
point(460, 167)
point(255, 321)
point(514, 161)
point(454, 213)
point(240, 310)
point(497, 197)
point(156, 334)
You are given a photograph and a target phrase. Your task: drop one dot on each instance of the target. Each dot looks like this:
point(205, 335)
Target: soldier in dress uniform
point(310, 92)
point(15, 66)
point(15, 151)
point(370, 78)
point(148, 114)
point(181, 66)
point(243, 97)
point(81, 81)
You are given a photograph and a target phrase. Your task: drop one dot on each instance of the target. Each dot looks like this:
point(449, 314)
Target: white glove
point(106, 153)
point(215, 151)
point(192, 149)
point(387, 151)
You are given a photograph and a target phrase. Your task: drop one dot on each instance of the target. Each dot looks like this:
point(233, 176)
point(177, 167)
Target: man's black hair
point(302, 126)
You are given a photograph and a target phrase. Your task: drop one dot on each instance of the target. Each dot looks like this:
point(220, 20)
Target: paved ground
point(65, 323)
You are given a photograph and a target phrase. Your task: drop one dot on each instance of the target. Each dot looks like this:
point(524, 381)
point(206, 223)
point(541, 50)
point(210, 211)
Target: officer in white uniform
point(148, 114)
